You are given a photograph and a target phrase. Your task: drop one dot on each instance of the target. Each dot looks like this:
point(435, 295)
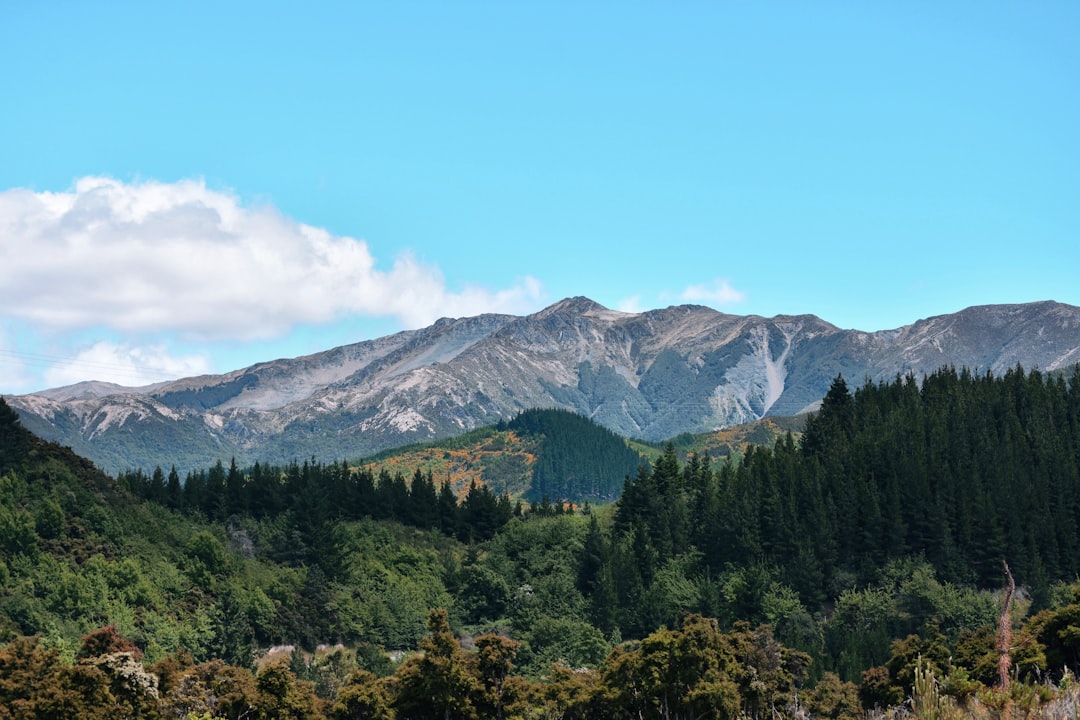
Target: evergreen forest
point(913, 552)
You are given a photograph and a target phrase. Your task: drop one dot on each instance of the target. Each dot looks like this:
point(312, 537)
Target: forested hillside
point(858, 567)
point(555, 454)
point(898, 479)
point(578, 460)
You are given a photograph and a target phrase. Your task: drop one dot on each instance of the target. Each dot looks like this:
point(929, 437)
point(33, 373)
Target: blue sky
point(194, 187)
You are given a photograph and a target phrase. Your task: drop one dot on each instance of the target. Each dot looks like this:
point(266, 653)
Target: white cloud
point(13, 371)
point(184, 258)
point(629, 305)
point(719, 292)
point(124, 365)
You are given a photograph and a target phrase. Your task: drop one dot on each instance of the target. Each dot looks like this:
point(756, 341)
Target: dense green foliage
point(693, 669)
point(578, 460)
point(231, 560)
point(313, 497)
point(961, 470)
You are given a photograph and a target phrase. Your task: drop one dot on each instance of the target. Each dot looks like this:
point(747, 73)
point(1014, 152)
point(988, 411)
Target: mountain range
point(650, 375)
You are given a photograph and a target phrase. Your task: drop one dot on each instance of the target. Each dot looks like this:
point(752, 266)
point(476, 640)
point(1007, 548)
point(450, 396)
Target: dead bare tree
point(1004, 634)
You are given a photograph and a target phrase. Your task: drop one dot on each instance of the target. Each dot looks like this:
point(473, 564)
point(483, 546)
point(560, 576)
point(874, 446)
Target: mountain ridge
point(653, 375)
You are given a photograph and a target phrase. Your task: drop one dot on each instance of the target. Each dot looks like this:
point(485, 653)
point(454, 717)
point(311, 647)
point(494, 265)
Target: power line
point(132, 370)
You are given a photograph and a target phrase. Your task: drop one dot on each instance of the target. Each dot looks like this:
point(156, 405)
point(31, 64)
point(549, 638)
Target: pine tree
point(592, 559)
point(448, 509)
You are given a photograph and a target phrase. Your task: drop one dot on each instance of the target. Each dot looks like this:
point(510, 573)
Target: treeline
point(577, 461)
point(314, 495)
point(963, 469)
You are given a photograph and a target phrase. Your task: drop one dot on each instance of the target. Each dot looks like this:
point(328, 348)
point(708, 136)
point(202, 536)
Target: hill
point(540, 453)
point(78, 551)
point(717, 445)
point(650, 375)
point(562, 455)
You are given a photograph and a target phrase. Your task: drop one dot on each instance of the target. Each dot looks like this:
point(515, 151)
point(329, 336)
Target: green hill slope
point(541, 453)
point(78, 551)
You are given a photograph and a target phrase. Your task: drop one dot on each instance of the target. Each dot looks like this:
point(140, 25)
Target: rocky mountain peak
point(579, 305)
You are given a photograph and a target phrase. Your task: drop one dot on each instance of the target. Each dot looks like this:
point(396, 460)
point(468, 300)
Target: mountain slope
point(651, 375)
